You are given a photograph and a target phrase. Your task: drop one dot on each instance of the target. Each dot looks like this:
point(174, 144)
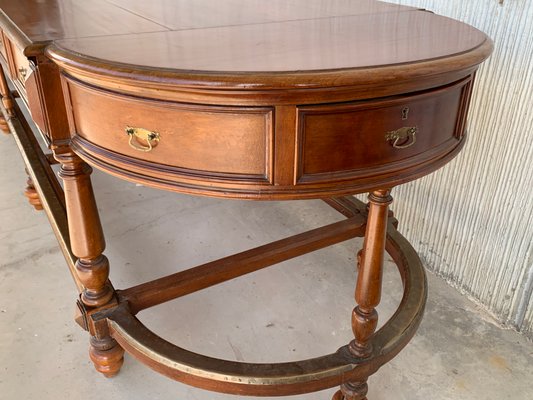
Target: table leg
point(92, 267)
point(3, 125)
point(7, 100)
point(368, 289)
point(31, 193)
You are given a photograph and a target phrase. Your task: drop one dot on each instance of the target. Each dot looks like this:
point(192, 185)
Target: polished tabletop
point(45, 20)
point(243, 36)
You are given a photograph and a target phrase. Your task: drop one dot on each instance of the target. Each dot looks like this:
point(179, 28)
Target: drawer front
point(25, 78)
point(3, 50)
point(344, 141)
point(203, 141)
point(21, 65)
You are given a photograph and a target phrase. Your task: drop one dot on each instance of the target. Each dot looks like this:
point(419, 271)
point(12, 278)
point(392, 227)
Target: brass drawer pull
point(23, 72)
point(142, 139)
point(403, 138)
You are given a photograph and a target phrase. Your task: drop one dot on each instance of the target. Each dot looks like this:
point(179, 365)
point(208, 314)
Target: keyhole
point(405, 113)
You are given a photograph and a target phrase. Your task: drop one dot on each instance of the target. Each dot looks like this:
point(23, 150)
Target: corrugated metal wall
point(472, 221)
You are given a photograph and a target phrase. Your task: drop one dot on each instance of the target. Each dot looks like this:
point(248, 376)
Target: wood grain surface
point(46, 20)
point(354, 41)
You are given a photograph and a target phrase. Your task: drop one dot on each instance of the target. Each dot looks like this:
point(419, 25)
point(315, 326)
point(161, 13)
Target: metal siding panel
point(472, 221)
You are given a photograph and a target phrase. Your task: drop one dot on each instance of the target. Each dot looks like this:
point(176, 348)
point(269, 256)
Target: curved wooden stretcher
point(283, 378)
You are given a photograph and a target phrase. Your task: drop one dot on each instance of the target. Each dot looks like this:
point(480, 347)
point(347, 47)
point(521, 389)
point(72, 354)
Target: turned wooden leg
point(3, 125)
point(32, 195)
point(368, 289)
point(352, 391)
point(92, 267)
point(106, 355)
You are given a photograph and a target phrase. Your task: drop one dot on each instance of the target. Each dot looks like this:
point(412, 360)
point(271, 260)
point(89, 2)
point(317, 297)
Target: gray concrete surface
point(296, 310)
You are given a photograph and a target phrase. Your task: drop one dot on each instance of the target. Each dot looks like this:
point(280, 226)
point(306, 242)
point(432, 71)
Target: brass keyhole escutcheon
point(142, 139)
point(405, 113)
point(402, 138)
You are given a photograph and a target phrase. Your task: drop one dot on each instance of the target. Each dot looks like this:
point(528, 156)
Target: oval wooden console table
point(306, 99)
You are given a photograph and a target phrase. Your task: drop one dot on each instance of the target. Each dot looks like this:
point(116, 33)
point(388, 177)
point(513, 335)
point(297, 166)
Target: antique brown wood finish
point(320, 151)
point(370, 260)
point(368, 290)
point(31, 194)
point(92, 267)
point(240, 145)
point(7, 99)
point(280, 100)
point(21, 66)
point(3, 50)
point(3, 126)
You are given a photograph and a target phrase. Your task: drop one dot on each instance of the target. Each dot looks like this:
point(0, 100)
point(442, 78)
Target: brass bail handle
point(138, 136)
point(23, 72)
point(403, 138)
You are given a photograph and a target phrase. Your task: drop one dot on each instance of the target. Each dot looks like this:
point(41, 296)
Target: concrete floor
point(296, 310)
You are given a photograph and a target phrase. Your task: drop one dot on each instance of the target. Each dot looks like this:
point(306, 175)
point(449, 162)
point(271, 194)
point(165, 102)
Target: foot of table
point(106, 355)
point(32, 195)
point(352, 391)
point(4, 127)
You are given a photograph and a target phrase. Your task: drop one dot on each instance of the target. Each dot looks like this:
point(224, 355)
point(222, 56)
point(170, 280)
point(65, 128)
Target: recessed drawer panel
point(25, 78)
point(210, 141)
point(3, 50)
point(346, 140)
point(21, 66)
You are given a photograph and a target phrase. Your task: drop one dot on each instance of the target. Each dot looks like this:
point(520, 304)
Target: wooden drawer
point(202, 141)
point(3, 50)
point(25, 79)
point(343, 141)
point(300, 151)
point(21, 66)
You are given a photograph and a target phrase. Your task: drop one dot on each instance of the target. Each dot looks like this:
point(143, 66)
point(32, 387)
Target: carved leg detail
point(352, 391)
point(93, 273)
point(92, 267)
point(3, 125)
point(106, 355)
point(368, 289)
point(32, 195)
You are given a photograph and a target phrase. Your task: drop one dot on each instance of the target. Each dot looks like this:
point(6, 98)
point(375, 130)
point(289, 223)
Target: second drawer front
point(3, 50)
point(210, 141)
point(347, 140)
point(22, 66)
